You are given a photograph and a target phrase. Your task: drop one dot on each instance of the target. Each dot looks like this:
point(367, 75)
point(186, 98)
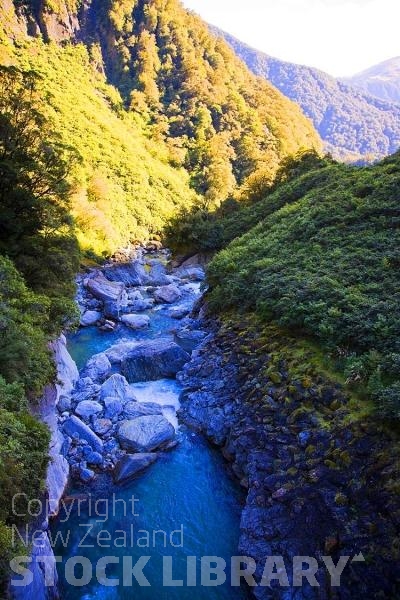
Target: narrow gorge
point(199, 312)
point(158, 377)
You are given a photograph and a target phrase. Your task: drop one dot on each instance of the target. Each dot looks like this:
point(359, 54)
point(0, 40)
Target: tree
point(34, 188)
point(35, 222)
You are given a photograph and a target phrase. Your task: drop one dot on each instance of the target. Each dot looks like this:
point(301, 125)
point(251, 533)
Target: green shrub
point(388, 401)
point(321, 259)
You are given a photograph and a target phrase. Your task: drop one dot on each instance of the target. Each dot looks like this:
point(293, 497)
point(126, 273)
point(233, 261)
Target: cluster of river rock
point(105, 427)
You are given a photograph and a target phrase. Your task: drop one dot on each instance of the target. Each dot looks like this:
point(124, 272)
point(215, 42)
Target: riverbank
point(320, 481)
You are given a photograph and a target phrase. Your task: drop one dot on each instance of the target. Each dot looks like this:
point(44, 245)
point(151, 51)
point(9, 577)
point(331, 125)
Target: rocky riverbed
point(104, 425)
point(319, 482)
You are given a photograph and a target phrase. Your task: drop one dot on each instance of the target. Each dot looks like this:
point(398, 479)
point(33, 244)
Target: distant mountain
point(382, 80)
point(353, 125)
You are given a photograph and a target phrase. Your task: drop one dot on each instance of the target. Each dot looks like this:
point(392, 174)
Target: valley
point(199, 314)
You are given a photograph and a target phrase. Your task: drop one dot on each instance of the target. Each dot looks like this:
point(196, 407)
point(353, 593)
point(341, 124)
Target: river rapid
point(185, 504)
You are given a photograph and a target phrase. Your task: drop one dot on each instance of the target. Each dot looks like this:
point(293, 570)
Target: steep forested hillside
point(123, 187)
point(219, 121)
point(320, 259)
point(382, 80)
point(352, 123)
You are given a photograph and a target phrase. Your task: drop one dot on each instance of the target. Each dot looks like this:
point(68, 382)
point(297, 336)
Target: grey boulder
point(189, 339)
point(119, 351)
point(131, 465)
point(88, 408)
point(113, 407)
point(135, 321)
point(98, 367)
point(85, 389)
point(132, 410)
point(141, 305)
point(154, 359)
point(106, 290)
point(94, 458)
point(137, 303)
point(178, 312)
point(191, 273)
point(132, 273)
point(90, 317)
point(158, 275)
point(145, 434)
point(167, 294)
point(116, 386)
point(75, 427)
point(64, 404)
point(112, 310)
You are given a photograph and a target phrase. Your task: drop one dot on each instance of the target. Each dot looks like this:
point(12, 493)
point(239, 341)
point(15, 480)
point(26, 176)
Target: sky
point(341, 37)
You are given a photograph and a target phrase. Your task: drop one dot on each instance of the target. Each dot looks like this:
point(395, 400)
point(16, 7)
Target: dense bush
point(198, 229)
point(23, 459)
point(36, 229)
point(183, 100)
point(122, 187)
point(222, 121)
point(323, 261)
point(25, 318)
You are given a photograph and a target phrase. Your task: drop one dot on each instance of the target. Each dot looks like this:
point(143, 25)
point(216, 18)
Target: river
point(186, 505)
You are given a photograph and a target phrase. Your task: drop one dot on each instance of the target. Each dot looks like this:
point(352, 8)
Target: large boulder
point(135, 321)
point(132, 273)
point(85, 389)
point(137, 303)
point(117, 353)
point(146, 433)
point(132, 410)
point(88, 408)
point(167, 294)
point(158, 275)
point(112, 310)
point(178, 312)
point(74, 427)
point(152, 360)
point(131, 465)
point(116, 386)
point(89, 318)
point(191, 273)
point(97, 368)
point(106, 290)
point(189, 339)
point(64, 404)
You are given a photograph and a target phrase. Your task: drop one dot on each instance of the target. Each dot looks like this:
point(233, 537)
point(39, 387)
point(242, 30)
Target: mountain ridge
point(352, 124)
point(381, 80)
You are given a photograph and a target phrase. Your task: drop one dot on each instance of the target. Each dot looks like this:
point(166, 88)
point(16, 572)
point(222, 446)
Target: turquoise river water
point(187, 496)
